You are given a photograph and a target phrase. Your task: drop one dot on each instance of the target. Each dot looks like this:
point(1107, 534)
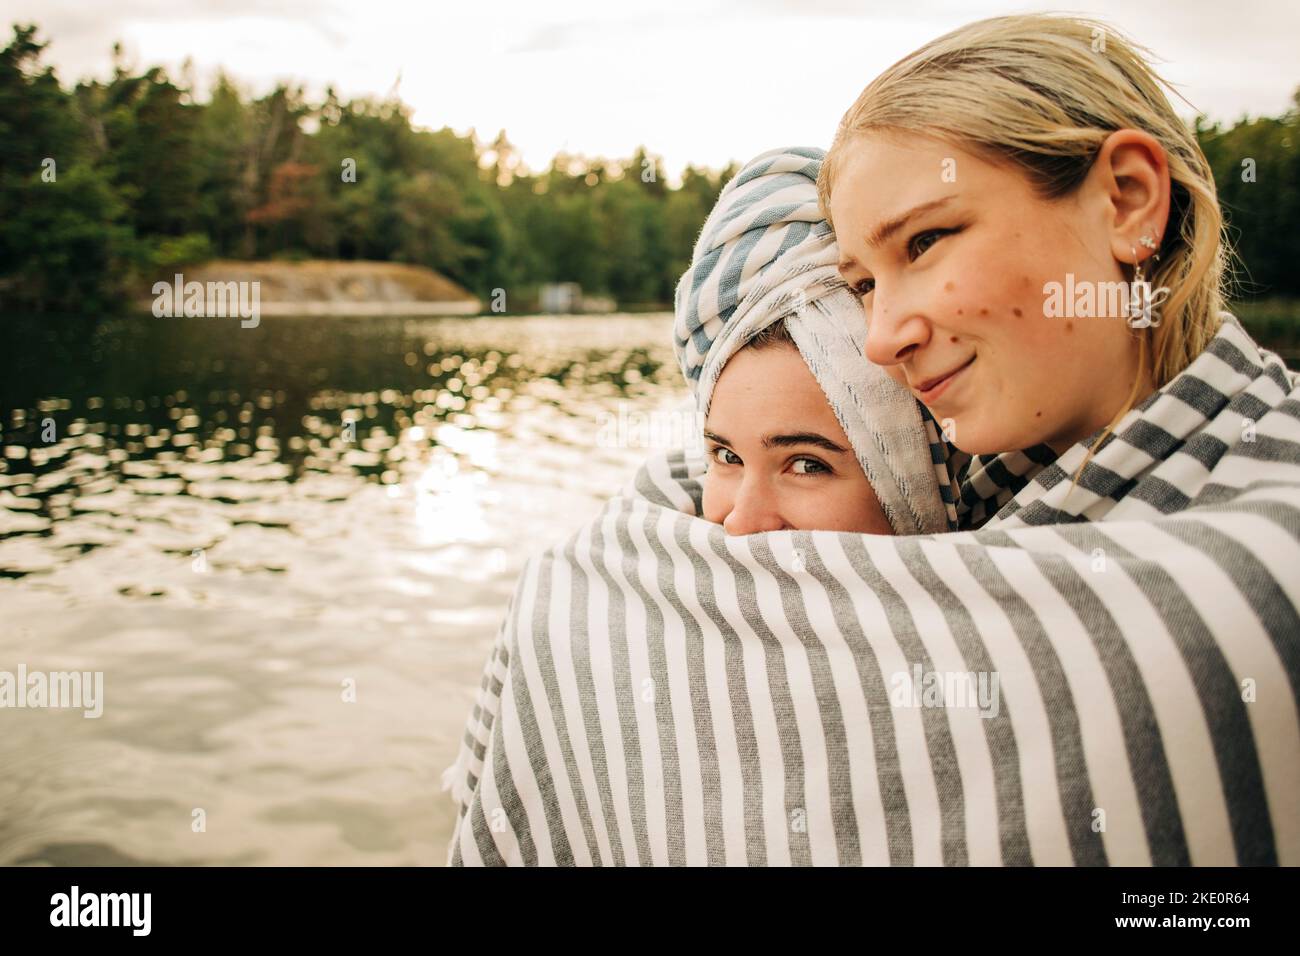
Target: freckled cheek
point(1017, 291)
point(964, 292)
point(1011, 309)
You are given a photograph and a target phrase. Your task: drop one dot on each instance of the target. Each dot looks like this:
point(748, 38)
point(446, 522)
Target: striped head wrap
point(766, 254)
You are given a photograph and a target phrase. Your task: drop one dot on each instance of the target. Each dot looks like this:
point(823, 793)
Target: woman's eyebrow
point(881, 233)
point(801, 438)
point(786, 441)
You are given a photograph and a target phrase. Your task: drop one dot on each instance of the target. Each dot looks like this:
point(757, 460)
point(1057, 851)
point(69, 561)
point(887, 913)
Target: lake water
point(240, 528)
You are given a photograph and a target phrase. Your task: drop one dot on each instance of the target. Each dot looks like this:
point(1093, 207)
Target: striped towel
point(1120, 688)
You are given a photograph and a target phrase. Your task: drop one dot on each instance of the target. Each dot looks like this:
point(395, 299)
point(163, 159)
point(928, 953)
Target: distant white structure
point(561, 297)
point(567, 297)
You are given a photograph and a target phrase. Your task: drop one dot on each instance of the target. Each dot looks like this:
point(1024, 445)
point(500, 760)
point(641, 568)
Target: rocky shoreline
point(318, 287)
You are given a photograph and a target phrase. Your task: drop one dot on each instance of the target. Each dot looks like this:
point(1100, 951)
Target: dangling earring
point(1148, 243)
point(1142, 300)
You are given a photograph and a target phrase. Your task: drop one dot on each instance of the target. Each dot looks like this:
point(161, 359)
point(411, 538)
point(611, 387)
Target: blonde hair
point(1043, 92)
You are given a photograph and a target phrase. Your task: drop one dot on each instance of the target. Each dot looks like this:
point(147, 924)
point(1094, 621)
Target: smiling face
point(952, 275)
point(778, 458)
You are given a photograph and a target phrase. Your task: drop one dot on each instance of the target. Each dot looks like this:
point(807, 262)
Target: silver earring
point(1148, 243)
point(1137, 266)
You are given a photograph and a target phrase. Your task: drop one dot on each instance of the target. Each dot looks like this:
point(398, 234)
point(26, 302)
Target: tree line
point(108, 182)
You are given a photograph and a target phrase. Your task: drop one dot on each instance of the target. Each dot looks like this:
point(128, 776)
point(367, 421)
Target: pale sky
point(702, 81)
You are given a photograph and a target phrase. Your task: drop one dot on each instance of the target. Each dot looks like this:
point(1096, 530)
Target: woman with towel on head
point(802, 432)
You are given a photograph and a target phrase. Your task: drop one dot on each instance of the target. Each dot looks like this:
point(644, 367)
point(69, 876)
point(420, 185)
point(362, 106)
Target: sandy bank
point(335, 287)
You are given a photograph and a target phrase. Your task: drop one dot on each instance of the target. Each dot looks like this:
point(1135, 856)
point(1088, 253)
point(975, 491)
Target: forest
point(107, 182)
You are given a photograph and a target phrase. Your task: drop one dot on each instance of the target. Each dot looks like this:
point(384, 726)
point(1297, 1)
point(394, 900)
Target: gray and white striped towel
point(661, 693)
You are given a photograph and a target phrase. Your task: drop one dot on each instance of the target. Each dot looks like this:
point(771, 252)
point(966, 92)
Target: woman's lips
point(936, 387)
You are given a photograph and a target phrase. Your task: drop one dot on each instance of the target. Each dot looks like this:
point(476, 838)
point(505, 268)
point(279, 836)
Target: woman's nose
point(894, 331)
point(754, 509)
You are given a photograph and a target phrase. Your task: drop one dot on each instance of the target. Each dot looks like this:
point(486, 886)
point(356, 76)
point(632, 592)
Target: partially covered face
point(778, 457)
point(952, 255)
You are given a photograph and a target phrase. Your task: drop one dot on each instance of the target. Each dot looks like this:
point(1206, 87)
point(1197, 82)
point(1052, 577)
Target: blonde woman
point(1103, 671)
point(1048, 254)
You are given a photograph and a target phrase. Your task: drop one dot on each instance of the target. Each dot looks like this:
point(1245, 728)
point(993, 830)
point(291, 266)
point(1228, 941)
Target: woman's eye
point(864, 286)
point(810, 466)
point(922, 241)
point(720, 454)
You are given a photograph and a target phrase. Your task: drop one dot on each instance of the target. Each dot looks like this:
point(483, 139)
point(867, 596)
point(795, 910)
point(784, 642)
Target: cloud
point(699, 81)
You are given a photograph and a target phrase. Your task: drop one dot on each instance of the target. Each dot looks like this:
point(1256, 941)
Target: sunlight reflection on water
point(231, 524)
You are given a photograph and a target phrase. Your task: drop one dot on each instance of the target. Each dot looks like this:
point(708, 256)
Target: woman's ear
point(1134, 172)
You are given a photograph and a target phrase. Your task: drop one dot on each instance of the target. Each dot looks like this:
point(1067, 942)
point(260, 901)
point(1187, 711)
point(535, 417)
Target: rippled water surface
point(237, 525)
